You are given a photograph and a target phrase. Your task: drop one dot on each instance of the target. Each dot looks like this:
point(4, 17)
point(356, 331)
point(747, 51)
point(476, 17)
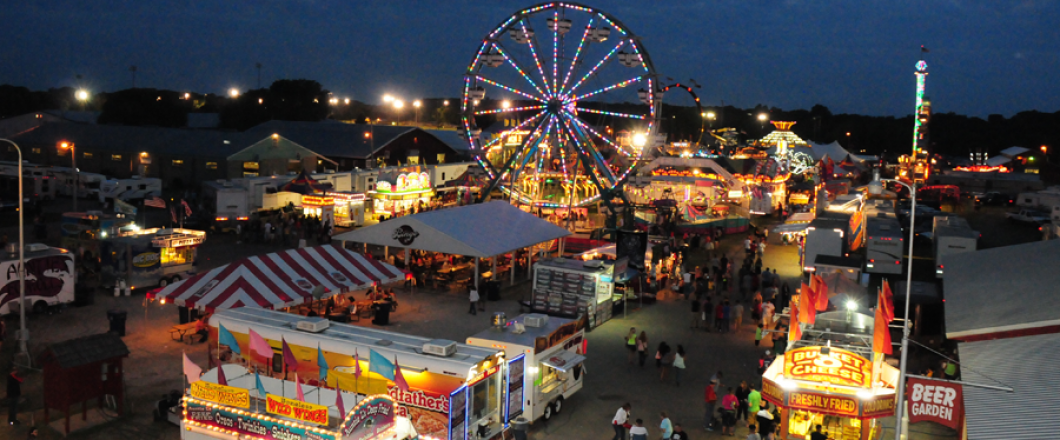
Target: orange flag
point(881, 333)
point(821, 290)
point(794, 332)
point(805, 304)
point(886, 301)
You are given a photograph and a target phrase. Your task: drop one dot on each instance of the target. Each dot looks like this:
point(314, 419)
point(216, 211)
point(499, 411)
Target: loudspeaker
point(632, 244)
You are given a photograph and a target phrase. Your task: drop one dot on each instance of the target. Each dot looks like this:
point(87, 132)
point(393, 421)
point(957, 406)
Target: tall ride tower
point(916, 167)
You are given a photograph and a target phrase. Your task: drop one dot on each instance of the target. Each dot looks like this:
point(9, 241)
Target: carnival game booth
point(447, 390)
point(400, 192)
point(230, 402)
point(281, 279)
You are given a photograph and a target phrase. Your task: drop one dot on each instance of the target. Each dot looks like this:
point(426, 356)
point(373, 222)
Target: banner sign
point(227, 421)
point(296, 409)
point(458, 414)
point(372, 417)
point(935, 401)
point(772, 392)
point(881, 406)
point(220, 394)
point(839, 367)
point(515, 387)
point(823, 403)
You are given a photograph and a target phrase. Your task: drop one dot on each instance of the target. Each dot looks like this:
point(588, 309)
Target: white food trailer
point(553, 370)
point(573, 288)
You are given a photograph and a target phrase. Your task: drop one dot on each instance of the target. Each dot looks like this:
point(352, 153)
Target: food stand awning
point(564, 360)
point(480, 230)
point(281, 279)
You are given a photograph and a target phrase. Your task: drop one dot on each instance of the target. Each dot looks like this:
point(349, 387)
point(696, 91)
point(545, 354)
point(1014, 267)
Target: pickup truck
point(1028, 216)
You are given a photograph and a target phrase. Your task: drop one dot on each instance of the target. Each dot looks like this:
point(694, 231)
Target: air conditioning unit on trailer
point(535, 320)
point(313, 325)
point(440, 347)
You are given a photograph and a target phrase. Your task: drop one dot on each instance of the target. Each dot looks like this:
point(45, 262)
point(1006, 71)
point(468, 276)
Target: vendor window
point(177, 256)
point(801, 423)
point(115, 157)
point(485, 401)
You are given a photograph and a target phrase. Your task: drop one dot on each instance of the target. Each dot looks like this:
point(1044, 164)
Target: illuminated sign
point(317, 201)
point(772, 392)
point(146, 259)
point(936, 401)
point(840, 367)
point(371, 418)
point(346, 197)
point(882, 406)
point(821, 403)
point(224, 395)
point(296, 409)
point(420, 399)
point(407, 182)
point(249, 424)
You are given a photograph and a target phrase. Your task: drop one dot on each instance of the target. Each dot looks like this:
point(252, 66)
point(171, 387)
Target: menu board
point(515, 387)
point(571, 293)
point(457, 413)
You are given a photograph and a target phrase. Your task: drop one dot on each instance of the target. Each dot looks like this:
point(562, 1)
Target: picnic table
point(178, 331)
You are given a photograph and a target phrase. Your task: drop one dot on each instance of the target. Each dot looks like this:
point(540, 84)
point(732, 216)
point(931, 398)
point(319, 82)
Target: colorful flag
point(881, 332)
point(221, 379)
point(821, 291)
point(259, 385)
point(322, 364)
point(155, 202)
point(805, 304)
point(224, 337)
point(187, 209)
point(191, 371)
point(259, 346)
point(379, 364)
point(795, 332)
point(173, 213)
point(288, 356)
point(339, 404)
point(298, 387)
point(886, 301)
point(399, 379)
point(356, 364)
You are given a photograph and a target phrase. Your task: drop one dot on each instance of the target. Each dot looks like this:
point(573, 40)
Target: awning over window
point(564, 360)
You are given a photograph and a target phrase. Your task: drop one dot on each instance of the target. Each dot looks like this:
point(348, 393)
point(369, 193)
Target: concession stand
point(401, 191)
point(840, 390)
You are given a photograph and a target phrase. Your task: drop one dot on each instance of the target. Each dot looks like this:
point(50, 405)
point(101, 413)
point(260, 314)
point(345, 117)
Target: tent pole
point(386, 252)
point(511, 267)
point(530, 262)
point(476, 274)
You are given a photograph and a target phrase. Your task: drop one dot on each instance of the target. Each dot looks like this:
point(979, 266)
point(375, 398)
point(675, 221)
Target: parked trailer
point(455, 391)
point(226, 204)
point(553, 366)
point(88, 183)
point(50, 278)
point(824, 236)
point(951, 235)
point(149, 257)
point(883, 246)
point(125, 190)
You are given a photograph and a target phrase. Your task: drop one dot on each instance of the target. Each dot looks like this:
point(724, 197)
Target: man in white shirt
point(619, 422)
point(473, 297)
point(638, 431)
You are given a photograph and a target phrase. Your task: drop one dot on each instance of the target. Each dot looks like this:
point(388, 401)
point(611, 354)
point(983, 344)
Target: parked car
point(1028, 216)
point(992, 198)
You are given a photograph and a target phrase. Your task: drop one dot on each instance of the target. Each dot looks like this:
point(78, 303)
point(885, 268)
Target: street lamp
point(640, 140)
point(73, 163)
point(445, 103)
point(762, 117)
point(506, 104)
point(417, 105)
point(82, 95)
point(876, 188)
point(233, 92)
point(388, 98)
point(23, 335)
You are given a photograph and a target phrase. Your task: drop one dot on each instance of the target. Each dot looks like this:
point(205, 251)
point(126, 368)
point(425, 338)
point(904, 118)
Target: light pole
point(82, 95)
point(762, 123)
point(876, 187)
point(417, 105)
point(23, 335)
point(73, 160)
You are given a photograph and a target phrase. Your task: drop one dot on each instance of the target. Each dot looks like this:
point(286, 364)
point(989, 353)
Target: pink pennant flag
point(191, 371)
point(288, 356)
point(339, 403)
point(356, 365)
point(298, 386)
point(259, 346)
point(399, 379)
point(221, 379)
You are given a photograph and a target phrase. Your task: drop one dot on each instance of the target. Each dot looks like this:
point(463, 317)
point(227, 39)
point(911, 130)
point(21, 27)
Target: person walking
point(679, 364)
point(642, 348)
point(14, 394)
point(666, 363)
point(742, 404)
point(764, 420)
point(754, 402)
point(631, 345)
point(728, 413)
point(638, 431)
point(621, 422)
point(710, 400)
point(737, 315)
point(472, 296)
point(666, 427)
point(758, 334)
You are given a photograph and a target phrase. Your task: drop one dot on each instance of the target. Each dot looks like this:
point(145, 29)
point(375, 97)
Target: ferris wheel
point(577, 95)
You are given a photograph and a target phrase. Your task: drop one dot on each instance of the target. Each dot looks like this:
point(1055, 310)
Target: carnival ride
point(564, 153)
point(699, 111)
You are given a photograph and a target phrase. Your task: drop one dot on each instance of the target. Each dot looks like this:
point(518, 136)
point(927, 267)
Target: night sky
point(852, 56)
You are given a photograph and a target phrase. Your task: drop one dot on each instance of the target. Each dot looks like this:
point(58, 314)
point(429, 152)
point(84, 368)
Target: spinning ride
point(558, 149)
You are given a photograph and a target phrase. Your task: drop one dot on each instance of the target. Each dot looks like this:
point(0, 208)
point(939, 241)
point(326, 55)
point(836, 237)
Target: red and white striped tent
point(281, 279)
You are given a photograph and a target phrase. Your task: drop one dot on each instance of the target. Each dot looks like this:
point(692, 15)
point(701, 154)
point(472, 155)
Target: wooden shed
point(81, 369)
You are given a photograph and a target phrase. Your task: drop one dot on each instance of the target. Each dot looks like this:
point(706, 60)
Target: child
point(758, 334)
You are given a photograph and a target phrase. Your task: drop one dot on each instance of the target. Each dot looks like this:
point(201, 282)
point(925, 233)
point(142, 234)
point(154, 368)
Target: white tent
point(480, 230)
point(817, 151)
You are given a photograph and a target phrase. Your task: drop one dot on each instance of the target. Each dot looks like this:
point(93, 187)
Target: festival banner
point(248, 424)
point(772, 392)
point(879, 406)
point(935, 401)
point(296, 409)
point(839, 367)
point(221, 394)
point(371, 418)
point(823, 403)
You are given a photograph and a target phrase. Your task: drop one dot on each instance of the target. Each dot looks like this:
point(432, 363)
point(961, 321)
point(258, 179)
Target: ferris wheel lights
point(506, 104)
point(640, 140)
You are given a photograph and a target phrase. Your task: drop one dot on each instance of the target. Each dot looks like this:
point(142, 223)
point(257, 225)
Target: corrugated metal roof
point(1002, 289)
point(1027, 364)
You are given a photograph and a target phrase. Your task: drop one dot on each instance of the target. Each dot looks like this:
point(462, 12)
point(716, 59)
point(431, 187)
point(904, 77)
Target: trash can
point(519, 427)
point(381, 314)
point(117, 321)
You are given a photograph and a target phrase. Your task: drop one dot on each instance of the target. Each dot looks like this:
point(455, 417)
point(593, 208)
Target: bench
point(177, 332)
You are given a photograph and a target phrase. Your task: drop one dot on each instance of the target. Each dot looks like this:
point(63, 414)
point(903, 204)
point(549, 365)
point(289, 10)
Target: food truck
point(240, 409)
point(50, 277)
point(400, 191)
point(148, 257)
point(551, 351)
point(455, 391)
point(572, 288)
